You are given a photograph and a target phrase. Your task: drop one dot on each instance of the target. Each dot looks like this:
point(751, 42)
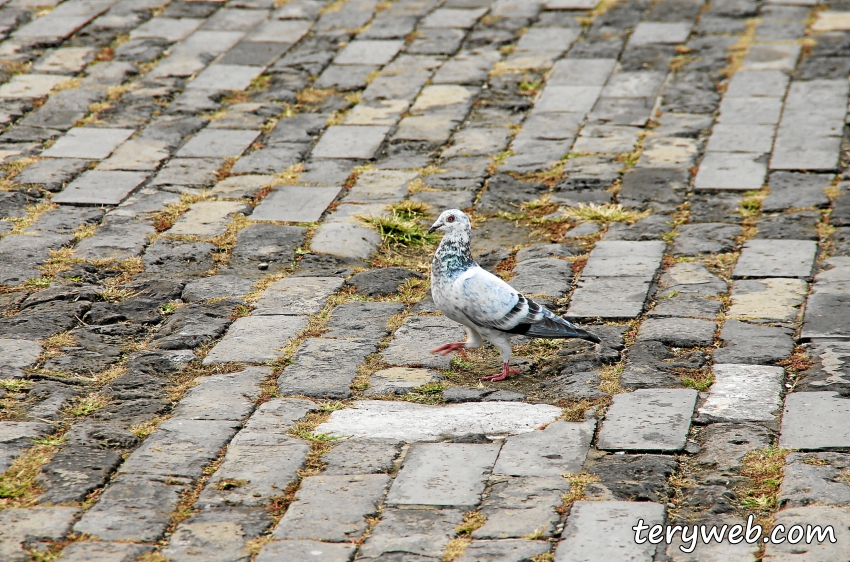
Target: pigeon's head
point(452, 221)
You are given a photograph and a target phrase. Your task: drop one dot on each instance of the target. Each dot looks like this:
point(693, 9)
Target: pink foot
point(506, 372)
point(447, 348)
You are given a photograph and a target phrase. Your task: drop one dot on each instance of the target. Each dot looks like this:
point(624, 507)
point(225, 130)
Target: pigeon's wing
point(490, 302)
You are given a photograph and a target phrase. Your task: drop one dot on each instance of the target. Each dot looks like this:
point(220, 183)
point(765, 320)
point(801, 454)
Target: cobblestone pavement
point(214, 311)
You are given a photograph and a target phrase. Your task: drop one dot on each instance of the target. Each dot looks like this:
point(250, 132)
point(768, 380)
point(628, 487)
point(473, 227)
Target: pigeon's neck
point(453, 255)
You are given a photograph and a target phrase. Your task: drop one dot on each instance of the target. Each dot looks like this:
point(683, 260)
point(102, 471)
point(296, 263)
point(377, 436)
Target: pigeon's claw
point(506, 372)
point(447, 348)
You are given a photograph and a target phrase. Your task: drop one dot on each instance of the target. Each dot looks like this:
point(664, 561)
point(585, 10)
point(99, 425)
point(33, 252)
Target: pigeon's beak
point(435, 227)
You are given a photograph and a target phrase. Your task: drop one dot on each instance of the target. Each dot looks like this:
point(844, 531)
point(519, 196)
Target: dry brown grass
point(18, 485)
point(764, 470)
point(576, 410)
point(313, 96)
point(578, 484)
point(739, 50)
point(166, 218)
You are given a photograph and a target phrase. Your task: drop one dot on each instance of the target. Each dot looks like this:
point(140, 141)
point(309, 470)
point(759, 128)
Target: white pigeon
point(487, 307)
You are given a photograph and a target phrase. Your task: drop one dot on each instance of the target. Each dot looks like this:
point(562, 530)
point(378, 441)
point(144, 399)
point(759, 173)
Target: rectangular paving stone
point(742, 171)
point(344, 234)
point(650, 32)
point(519, 507)
point(815, 483)
point(297, 295)
point(776, 258)
point(452, 17)
point(613, 520)
point(758, 83)
point(103, 552)
point(350, 141)
point(225, 77)
point(581, 72)
point(68, 60)
point(609, 297)
point(419, 422)
point(635, 85)
point(135, 508)
point(412, 532)
point(380, 185)
point(573, 99)
point(624, 259)
point(29, 86)
point(100, 188)
point(221, 143)
point(789, 190)
point(138, 155)
point(443, 474)
point(549, 277)
point(826, 308)
point(369, 52)
point(648, 420)
point(180, 448)
point(295, 203)
point(223, 397)
point(809, 135)
point(414, 340)
point(570, 4)
point(170, 29)
point(561, 447)
point(750, 344)
point(207, 218)
point(255, 339)
point(543, 39)
point(750, 111)
point(325, 368)
point(678, 332)
point(823, 516)
point(744, 393)
point(771, 56)
point(741, 137)
point(306, 551)
point(88, 142)
point(773, 301)
point(814, 421)
point(333, 508)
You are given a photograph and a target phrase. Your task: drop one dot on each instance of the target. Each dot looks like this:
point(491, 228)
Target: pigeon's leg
point(503, 344)
point(506, 372)
point(473, 341)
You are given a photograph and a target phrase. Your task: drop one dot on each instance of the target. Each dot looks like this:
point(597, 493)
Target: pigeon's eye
point(451, 218)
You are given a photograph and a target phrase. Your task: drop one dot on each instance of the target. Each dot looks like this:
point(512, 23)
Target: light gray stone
point(15, 437)
point(325, 368)
point(380, 185)
point(88, 142)
point(825, 317)
point(498, 551)
point(560, 448)
point(223, 397)
point(477, 142)
point(170, 29)
point(519, 507)
point(742, 171)
point(549, 277)
point(815, 480)
point(295, 203)
point(238, 187)
point(826, 551)
point(414, 340)
point(220, 76)
point(218, 535)
point(422, 532)
point(215, 287)
point(369, 52)
point(297, 295)
point(350, 141)
point(815, 421)
point(332, 508)
point(218, 143)
point(207, 218)
point(609, 297)
point(451, 17)
point(750, 111)
point(279, 414)
point(774, 301)
point(744, 393)
point(400, 380)
point(361, 456)
point(648, 420)
point(138, 154)
point(19, 353)
point(103, 552)
point(306, 551)
point(24, 526)
point(648, 33)
point(100, 188)
point(678, 332)
point(705, 238)
point(572, 99)
point(116, 240)
point(624, 259)
point(789, 190)
point(771, 56)
point(256, 339)
point(776, 258)
point(367, 320)
point(282, 31)
point(29, 86)
point(741, 137)
point(590, 520)
point(714, 551)
point(638, 84)
point(581, 72)
point(750, 344)
point(443, 474)
point(418, 422)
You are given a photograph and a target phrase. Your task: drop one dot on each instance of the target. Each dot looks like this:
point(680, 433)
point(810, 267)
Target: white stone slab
point(225, 77)
point(27, 86)
point(255, 339)
point(380, 185)
point(218, 143)
point(600, 531)
point(207, 218)
point(19, 353)
point(829, 20)
point(297, 295)
point(815, 420)
point(655, 419)
point(88, 142)
point(776, 258)
point(744, 393)
point(624, 259)
point(67, 60)
point(100, 188)
point(418, 422)
point(350, 141)
point(767, 300)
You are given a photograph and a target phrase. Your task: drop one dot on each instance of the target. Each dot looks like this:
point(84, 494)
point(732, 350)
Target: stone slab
point(217, 77)
point(333, 508)
point(751, 344)
point(412, 534)
point(361, 456)
point(306, 551)
point(825, 551)
point(28, 86)
point(741, 171)
point(775, 301)
point(825, 311)
point(255, 339)
point(295, 203)
point(100, 188)
point(518, 507)
point(815, 421)
point(207, 218)
point(744, 393)
point(215, 287)
point(103, 552)
point(776, 258)
point(504, 550)
point(590, 520)
point(400, 380)
point(549, 277)
point(325, 368)
point(815, 479)
point(218, 143)
point(624, 259)
point(369, 52)
point(650, 33)
point(648, 420)
point(609, 297)
point(443, 474)
point(678, 332)
point(414, 340)
point(223, 397)
point(19, 353)
point(350, 141)
point(560, 448)
point(297, 295)
point(418, 422)
point(238, 187)
point(88, 143)
point(380, 185)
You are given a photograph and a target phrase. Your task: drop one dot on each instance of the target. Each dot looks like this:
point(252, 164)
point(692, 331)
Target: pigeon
point(487, 307)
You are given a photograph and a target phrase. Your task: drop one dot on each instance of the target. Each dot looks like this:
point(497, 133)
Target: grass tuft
point(764, 468)
point(606, 212)
point(396, 230)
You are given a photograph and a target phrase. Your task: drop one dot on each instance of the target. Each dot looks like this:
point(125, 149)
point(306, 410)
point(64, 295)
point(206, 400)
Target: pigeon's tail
point(555, 327)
